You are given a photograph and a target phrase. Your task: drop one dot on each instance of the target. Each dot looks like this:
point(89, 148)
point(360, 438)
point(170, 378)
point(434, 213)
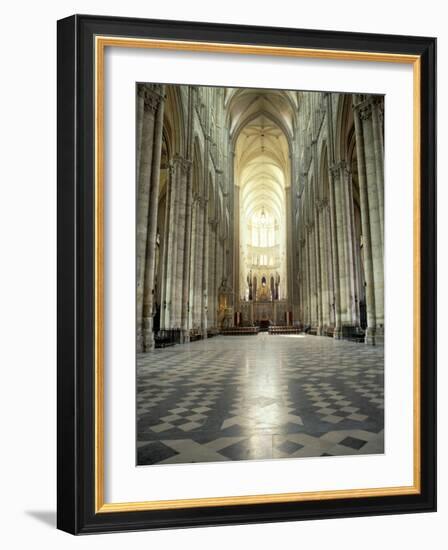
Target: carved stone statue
point(277, 284)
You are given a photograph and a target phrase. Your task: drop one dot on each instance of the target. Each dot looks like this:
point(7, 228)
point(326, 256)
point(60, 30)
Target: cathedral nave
point(260, 278)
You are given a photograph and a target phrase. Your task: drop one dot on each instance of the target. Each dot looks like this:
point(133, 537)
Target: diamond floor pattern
point(259, 397)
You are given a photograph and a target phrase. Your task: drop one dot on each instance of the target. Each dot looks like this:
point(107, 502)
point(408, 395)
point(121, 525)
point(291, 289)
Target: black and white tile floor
point(259, 397)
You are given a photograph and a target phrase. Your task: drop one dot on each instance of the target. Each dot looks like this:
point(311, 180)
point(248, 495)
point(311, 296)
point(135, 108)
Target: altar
point(258, 312)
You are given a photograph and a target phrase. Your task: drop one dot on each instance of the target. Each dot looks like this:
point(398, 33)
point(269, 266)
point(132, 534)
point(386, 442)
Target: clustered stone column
point(181, 168)
point(185, 273)
point(211, 309)
point(197, 281)
point(150, 106)
point(169, 250)
point(289, 248)
point(368, 127)
point(345, 236)
point(192, 268)
point(205, 253)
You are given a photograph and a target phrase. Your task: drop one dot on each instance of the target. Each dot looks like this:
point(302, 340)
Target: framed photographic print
point(246, 274)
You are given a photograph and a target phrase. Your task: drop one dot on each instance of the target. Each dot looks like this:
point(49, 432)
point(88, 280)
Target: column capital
point(183, 163)
point(170, 168)
point(364, 107)
point(152, 94)
point(320, 205)
point(335, 170)
point(339, 168)
point(345, 168)
point(378, 105)
point(202, 201)
point(309, 227)
point(365, 111)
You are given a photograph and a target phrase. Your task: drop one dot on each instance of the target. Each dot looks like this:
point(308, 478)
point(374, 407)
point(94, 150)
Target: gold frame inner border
point(101, 42)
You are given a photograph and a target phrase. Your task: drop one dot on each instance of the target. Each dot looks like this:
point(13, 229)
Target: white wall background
point(28, 272)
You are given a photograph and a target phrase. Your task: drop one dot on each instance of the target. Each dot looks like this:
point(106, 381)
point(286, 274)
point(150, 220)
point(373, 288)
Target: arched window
point(263, 238)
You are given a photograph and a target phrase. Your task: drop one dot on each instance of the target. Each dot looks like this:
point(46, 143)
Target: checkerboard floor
point(259, 397)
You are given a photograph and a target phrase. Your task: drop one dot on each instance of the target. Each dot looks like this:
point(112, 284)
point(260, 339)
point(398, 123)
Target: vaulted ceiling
point(243, 105)
point(261, 124)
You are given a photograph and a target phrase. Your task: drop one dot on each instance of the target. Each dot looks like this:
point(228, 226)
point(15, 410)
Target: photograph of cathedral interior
point(260, 280)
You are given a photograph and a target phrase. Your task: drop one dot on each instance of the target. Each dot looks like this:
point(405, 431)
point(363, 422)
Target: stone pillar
point(332, 222)
point(192, 263)
point(376, 230)
point(204, 307)
point(319, 297)
point(148, 292)
point(366, 231)
point(353, 252)
point(211, 291)
point(236, 243)
point(295, 285)
point(218, 278)
point(199, 256)
point(289, 246)
point(150, 105)
point(299, 279)
point(323, 266)
point(221, 261)
point(308, 268)
point(139, 116)
point(181, 169)
point(377, 127)
point(169, 249)
point(216, 281)
point(310, 274)
point(349, 236)
point(341, 244)
point(175, 235)
point(185, 334)
point(167, 252)
point(150, 96)
point(195, 292)
point(335, 257)
point(313, 272)
point(215, 278)
point(330, 265)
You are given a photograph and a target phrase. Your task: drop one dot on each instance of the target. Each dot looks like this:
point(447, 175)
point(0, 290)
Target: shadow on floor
point(48, 517)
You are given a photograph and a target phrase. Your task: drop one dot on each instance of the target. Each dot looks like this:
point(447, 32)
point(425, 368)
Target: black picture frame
point(76, 286)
